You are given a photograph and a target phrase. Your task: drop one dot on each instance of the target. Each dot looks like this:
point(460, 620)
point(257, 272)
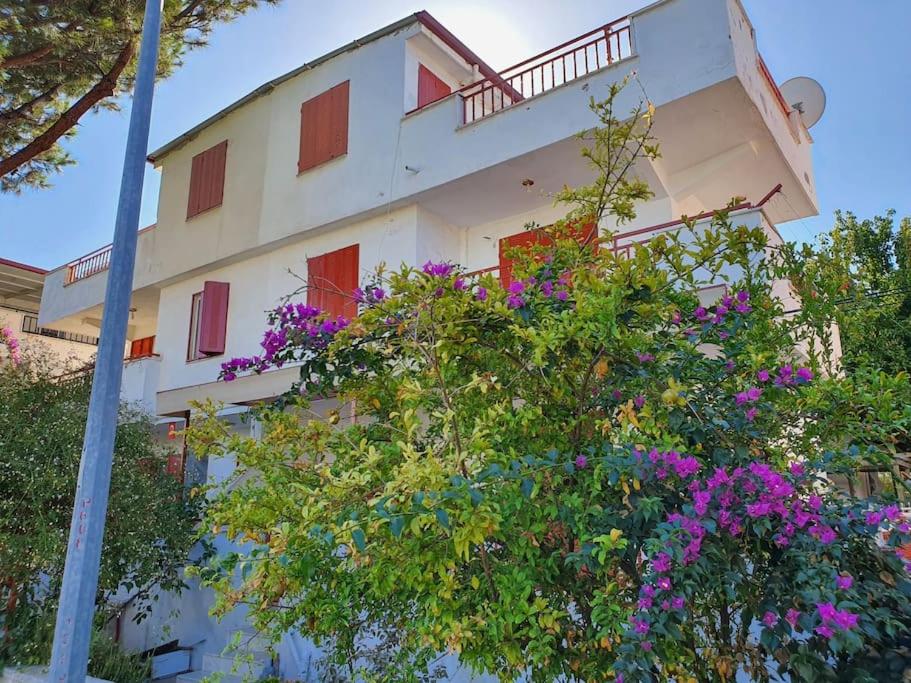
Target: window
point(30, 325)
point(430, 87)
point(142, 348)
point(208, 321)
point(195, 320)
point(528, 239)
point(324, 128)
point(331, 281)
point(207, 179)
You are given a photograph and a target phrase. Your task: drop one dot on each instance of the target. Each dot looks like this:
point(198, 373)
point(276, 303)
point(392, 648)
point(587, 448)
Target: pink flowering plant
point(596, 473)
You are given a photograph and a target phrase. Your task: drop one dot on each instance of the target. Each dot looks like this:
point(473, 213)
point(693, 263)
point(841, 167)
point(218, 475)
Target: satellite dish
point(806, 96)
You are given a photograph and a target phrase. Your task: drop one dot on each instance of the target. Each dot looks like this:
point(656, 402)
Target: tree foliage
point(61, 60)
point(150, 526)
point(592, 474)
point(864, 267)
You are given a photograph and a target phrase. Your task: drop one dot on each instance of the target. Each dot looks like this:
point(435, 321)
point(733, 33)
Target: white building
point(405, 146)
point(20, 296)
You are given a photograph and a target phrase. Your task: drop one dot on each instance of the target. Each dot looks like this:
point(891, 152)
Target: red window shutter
point(430, 88)
point(331, 281)
point(529, 238)
point(324, 128)
point(140, 348)
point(207, 179)
point(213, 323)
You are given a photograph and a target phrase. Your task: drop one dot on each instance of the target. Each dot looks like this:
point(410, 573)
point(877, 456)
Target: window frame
point(193, 353)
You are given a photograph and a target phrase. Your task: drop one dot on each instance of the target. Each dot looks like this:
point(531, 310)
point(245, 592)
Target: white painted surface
point(696, 59)
point(139, 386)
point(70, 353)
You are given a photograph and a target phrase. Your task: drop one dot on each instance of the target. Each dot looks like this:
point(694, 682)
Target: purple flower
point(437, 269)
point(753, 394)
point(686, 467)
point(516, 287)
point(648, 590)
point(763, 375)
point(481, 294)
point(661, 563)
point(641, 626)
point(804, 375)
point(815, 502)
point(645, 603)
point(874, 518)
point(664, 583)
point(645, 357)
point(797, 469)
point(701, 500)
point(646, 645)
point(581, 462)
point(892, 512)
point(770, 619)
point(741, 398)
point(639, 401)
point(459, 284)
point(844, 582)
point(826, 611)
point(617, 395)
point(845, 620)
point(700, 314)
point(792, 616)
point(515, 301)
point(825, 631)
point(678, 602)
point(547, 288)
point(561, 295)
point(676, 318)
point(358, 295)
point(743, 296)
point(750, 414)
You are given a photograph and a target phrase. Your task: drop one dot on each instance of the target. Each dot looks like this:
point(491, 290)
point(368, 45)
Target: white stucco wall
point(68, 352)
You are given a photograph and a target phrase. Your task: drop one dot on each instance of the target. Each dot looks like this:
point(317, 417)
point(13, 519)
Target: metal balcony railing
point(562, 64)
point(92, 263)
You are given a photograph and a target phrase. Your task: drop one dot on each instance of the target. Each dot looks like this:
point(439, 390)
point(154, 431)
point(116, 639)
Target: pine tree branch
point(25, 58)
point(23, 110)
point(104, 88)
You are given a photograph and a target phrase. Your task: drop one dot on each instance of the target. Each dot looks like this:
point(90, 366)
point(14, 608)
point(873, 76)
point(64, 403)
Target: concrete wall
point(259, 284)
point(68, 352)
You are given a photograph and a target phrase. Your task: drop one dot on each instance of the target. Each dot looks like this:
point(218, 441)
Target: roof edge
point(23, 266)
point(155, 156)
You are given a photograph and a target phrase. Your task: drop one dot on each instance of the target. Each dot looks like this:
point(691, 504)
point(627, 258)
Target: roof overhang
point(20, 285)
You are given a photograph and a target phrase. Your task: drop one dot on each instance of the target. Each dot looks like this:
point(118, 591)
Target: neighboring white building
point(20, 296)
point(405, 146)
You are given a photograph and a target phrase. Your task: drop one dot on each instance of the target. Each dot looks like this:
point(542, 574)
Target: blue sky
point(859, 51)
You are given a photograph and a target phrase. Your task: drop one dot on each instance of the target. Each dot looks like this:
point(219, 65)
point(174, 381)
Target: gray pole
point(73, 631)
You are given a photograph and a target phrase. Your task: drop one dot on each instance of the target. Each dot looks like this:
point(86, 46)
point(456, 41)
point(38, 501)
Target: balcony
point(558, 66)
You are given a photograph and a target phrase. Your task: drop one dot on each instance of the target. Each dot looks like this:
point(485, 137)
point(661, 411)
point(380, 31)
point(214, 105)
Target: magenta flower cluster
point(296, 327)
point(732, 501)
point(552, 288)
point(12, 344)
point(440, 270)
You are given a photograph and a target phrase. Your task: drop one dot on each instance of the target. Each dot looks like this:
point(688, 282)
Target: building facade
point(405, 146)
point(20, 296)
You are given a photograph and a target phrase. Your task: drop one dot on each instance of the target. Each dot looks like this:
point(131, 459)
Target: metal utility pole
point(73, 631)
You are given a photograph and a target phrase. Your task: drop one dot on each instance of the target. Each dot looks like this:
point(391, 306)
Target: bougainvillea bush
point(590, 474)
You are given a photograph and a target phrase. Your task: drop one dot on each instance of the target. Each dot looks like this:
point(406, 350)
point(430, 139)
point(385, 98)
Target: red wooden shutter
point(213, 318)
point(529, 238)
point(331, 281)
point(140, 348)
point(324, 128)
point(430, 88)
point(207, 179)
